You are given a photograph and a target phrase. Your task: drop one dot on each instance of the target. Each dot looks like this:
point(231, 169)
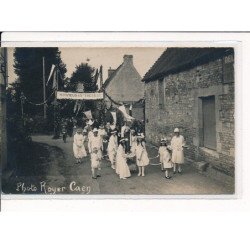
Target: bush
point(40, 125)
point(18, 137)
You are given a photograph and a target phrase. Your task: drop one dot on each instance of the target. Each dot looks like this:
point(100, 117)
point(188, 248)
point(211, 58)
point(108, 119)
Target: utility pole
point(44, 91)
point(55, 104)
point(22, 97)
point(101, 77)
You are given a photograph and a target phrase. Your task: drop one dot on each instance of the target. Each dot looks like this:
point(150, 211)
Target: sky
point(143, 58)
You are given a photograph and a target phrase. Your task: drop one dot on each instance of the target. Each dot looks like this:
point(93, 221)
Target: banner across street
point(79, 96)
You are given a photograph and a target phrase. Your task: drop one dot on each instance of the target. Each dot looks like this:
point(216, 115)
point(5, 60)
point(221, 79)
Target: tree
point(28, 65)
point(85, 74)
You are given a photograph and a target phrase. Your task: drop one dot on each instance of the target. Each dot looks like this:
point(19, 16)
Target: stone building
point(193, 89)
point(3, 84)
point(124, 85)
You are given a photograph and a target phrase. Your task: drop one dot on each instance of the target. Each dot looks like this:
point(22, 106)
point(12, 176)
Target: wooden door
point(209, 122)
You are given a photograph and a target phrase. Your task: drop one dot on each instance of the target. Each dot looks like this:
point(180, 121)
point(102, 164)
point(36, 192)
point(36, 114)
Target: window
point(209, 122)
point(161, 89)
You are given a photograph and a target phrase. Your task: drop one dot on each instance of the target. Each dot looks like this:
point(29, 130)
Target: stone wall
point(183, 108)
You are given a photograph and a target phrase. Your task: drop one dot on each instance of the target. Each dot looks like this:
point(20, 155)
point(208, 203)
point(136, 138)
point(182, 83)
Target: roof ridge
point(174, 59)
point(107, 81)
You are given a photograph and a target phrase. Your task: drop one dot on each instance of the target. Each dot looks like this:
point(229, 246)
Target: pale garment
point(124, 130)
point(95, 160)
point(95, 142)
point(133, 139)
point(112, 126)
point(112, 148)
point(78, 146)
point(122, 168)
point(141, 154)
point(165, 157)
point(177, 144)
point(102, 133)
point(90, 135)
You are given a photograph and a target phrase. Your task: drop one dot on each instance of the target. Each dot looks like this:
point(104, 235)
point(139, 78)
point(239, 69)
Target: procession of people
point(124, 147)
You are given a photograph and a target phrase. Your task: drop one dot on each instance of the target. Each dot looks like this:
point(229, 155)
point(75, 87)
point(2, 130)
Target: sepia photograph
point(117, 120)
point(124, 125)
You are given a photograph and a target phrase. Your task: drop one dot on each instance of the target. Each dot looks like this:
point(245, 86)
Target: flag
point(130, 110)
point(98, 83)
point(96, 76)
point(80, 104)
point(77, 106)
point(124, 112)
point(114, 116)
point(88, 114)
point(54, 81)
point(101, 78)
point(51, 72)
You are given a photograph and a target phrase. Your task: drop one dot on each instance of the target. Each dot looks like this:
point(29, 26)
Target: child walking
point(141, 154)
point(165, 158)
point(133, 142)
point(95, 163)
point(122, 168)
point(78, 146)
point(112, 148)
point(161, 151)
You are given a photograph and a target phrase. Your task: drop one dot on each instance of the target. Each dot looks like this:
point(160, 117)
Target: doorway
point(209, 122)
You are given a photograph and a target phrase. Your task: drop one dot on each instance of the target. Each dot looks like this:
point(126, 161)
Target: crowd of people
point(116, 145)
point(119, 146)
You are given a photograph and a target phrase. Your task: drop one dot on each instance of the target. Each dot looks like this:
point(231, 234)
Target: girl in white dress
point(95, 163)
point(122, 168)
point(133, 142)
point(161, 151)
point(95, 141)
point(177, 145)
point(78, 146)
point(141, 154)
point(103, 134)
point(85, 135)
point(165, 158)
point(112, 148)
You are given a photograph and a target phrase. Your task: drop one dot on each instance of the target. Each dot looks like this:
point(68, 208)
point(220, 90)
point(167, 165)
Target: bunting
point(124, 112)
point(88, 114)
point(114, 116)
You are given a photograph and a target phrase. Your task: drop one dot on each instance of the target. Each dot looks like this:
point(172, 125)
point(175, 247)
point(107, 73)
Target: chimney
point(110, 71)
point(128, 59)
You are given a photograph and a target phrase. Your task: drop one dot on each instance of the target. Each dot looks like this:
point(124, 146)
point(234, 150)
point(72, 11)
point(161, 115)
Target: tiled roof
point(174, 60)
point(108, 80)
